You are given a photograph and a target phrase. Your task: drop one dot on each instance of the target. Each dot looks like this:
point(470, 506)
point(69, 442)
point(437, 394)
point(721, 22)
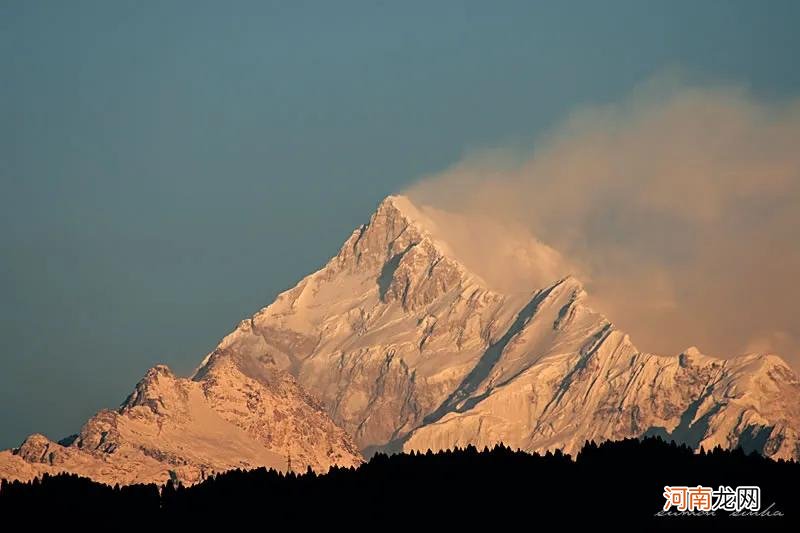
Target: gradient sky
point(166, 168)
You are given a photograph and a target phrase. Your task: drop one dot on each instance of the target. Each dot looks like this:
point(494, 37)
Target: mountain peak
point(571, 283)
point(400, 209)
point(505, 255)
point(396, 201)
point(35, 448)
point(158, 371)
point(395, 227)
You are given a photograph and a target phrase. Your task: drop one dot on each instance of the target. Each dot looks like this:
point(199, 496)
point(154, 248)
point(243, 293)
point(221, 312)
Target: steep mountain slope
point(383, 332)
point(409, 350)
point(187, 429)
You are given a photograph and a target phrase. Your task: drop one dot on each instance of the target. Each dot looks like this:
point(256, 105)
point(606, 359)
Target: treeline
point(614, 483)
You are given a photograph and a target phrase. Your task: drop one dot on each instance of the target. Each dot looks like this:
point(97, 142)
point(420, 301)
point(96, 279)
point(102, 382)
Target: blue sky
point(167, 167)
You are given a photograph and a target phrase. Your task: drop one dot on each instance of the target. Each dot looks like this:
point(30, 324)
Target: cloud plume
point(679, 208)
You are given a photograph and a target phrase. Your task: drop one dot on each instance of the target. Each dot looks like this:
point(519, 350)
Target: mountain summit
point(396, 345)
point(408, 349)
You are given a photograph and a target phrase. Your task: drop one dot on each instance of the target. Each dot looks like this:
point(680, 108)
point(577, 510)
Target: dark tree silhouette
point(616, 485)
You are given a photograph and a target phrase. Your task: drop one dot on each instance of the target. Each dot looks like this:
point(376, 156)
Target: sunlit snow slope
point(395, 345)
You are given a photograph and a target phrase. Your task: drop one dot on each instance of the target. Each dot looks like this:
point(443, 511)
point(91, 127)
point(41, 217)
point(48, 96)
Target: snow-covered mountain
point(406, 349)
point(225, 418)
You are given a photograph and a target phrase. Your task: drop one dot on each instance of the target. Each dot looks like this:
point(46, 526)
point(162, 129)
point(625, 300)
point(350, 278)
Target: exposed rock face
point(409, 350)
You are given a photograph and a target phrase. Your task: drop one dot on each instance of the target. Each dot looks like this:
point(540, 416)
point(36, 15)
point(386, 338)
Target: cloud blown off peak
point(679, 209)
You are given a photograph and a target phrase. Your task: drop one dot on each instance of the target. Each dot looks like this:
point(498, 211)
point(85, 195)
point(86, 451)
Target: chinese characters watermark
point(705, 501)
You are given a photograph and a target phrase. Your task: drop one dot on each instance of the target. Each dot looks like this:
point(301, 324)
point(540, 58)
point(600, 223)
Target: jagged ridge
point(172, 427)
point(407, 349)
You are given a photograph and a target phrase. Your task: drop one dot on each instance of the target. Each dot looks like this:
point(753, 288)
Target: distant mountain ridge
point(183, 429)
point(395, 345)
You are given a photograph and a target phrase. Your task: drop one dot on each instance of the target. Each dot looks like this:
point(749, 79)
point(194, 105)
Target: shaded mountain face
point(395, 345)
point(408, 350)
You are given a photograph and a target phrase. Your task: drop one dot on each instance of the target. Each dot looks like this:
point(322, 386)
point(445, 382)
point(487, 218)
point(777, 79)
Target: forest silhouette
point(611, 484)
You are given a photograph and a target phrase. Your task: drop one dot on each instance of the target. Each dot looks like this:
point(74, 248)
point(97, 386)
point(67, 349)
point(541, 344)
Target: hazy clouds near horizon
point(679, 209)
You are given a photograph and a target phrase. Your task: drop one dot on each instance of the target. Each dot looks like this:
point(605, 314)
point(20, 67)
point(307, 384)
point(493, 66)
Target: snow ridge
point(407, 349)
point(395, 345)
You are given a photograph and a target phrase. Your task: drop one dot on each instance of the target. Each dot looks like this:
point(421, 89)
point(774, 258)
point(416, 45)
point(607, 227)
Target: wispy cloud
point(679, 208)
